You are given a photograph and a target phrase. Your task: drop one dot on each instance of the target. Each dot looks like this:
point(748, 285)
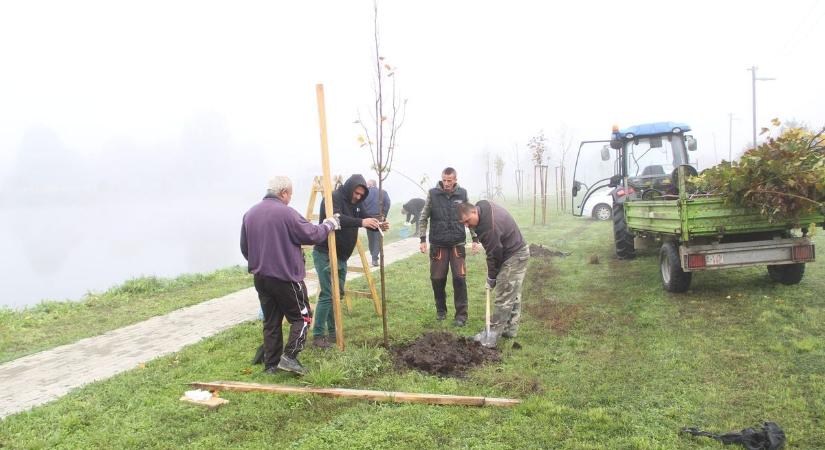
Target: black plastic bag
point(770, 437)
point(259, 356)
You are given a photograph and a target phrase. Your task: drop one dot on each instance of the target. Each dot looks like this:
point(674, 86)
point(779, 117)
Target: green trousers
point(507, 304)
point(324, 317)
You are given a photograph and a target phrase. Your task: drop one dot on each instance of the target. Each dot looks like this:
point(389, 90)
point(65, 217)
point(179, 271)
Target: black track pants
point(281, 299)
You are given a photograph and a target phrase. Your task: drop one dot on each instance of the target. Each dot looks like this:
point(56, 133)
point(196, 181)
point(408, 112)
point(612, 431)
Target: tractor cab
point(648, 157)
point(638, 163)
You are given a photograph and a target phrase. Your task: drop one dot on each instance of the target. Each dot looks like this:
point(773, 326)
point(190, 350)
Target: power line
point(801, 31)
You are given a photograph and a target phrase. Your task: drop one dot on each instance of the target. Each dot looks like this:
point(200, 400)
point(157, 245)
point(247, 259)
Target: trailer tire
point(621, 235)
point(787, 273)
point(674, 279)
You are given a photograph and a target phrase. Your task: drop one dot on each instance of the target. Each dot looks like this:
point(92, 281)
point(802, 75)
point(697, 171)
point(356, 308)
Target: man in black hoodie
point(346, 202)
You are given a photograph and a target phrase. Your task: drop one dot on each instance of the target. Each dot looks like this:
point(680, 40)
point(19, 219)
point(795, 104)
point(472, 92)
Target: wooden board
point(378, 396)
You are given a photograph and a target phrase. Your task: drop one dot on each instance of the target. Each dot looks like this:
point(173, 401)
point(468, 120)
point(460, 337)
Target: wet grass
point(606, 359)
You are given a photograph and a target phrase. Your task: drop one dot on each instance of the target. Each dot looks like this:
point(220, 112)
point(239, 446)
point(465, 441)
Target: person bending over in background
point(412, 209)
point(271, 237)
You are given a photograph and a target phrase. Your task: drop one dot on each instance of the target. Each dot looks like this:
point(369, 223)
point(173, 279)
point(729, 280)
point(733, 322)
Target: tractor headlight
point(677, 130)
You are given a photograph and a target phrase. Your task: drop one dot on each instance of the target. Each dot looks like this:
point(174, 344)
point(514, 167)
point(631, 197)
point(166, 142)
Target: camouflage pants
point(507, 304)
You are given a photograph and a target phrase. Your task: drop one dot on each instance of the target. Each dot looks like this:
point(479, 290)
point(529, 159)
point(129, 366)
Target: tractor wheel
point(602, 211)
point(787, 273)
point(674, 279)
point(623, 238)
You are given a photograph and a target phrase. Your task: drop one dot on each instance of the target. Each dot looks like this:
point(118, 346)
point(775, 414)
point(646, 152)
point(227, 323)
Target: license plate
point(715, 259)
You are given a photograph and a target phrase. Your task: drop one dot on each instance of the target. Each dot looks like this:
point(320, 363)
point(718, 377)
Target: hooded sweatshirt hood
point(351, 216)
point(352, 182)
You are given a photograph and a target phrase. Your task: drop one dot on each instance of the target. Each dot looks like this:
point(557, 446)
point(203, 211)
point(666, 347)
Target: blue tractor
point(645, 167)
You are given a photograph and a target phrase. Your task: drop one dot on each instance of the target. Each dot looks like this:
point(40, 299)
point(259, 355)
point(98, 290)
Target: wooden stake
point(376, 301)
point(376, 396)
point(333, 253)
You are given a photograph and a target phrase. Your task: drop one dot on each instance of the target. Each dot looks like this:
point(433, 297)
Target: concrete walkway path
point(42, 377)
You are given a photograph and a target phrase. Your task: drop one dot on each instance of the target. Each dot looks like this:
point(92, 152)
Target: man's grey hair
point(371, 183)
point(279, 184)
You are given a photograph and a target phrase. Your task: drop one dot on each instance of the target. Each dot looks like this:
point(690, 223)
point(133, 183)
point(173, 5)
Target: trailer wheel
point(787, 273)
point(674, 279)
point(623, 237)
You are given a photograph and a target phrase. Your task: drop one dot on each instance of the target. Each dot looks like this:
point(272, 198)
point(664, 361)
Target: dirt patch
point(556, 316)
point(444, 354)
point(518, 385)
point(540, 251)
point(537, 280)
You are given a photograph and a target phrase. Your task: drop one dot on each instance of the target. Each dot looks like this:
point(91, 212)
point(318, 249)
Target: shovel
point(487, 338)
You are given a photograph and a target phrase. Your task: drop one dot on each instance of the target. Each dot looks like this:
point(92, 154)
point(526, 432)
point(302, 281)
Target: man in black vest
point(447, 239)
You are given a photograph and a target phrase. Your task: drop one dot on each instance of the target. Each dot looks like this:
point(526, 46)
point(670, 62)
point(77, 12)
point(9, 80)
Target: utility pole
point(754, 79)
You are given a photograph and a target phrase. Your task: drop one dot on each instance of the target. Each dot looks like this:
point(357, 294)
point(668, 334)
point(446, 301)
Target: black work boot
point(291, 365)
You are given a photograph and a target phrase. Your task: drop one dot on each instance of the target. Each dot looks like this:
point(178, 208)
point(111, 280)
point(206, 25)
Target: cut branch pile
point(783, 178)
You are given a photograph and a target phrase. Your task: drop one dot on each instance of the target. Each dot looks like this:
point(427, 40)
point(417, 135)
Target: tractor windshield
point(654, 156)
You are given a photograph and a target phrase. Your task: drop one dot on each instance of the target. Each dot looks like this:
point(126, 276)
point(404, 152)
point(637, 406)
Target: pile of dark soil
point(540, 251)
point(444, 354)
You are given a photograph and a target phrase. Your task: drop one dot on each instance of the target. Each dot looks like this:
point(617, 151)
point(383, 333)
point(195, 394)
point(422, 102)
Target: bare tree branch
point(382, 149)
point(785, 194)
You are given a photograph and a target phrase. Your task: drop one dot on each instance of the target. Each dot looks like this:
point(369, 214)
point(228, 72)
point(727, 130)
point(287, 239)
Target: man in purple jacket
point(271, 239)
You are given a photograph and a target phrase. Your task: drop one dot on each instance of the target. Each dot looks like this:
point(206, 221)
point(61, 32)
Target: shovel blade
point(487, 339)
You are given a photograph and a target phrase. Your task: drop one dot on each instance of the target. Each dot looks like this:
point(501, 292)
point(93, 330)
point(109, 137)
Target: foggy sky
point(117, 102)
point(106, 77)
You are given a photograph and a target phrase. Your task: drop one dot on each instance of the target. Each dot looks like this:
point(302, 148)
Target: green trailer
point(695, 232)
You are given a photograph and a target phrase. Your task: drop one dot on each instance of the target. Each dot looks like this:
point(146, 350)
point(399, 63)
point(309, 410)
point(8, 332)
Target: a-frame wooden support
point(312, 216)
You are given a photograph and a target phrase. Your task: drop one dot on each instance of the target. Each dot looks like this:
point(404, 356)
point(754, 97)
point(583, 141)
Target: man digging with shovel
point(507, 256)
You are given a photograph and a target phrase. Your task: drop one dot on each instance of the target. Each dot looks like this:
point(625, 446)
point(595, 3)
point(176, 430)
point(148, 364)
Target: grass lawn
point(607, 360)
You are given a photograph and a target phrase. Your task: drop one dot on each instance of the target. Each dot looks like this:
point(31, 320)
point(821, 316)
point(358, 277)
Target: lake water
point(60, 251)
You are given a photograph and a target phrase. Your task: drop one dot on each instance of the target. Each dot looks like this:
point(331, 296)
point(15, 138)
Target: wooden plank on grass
point(377, 396)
